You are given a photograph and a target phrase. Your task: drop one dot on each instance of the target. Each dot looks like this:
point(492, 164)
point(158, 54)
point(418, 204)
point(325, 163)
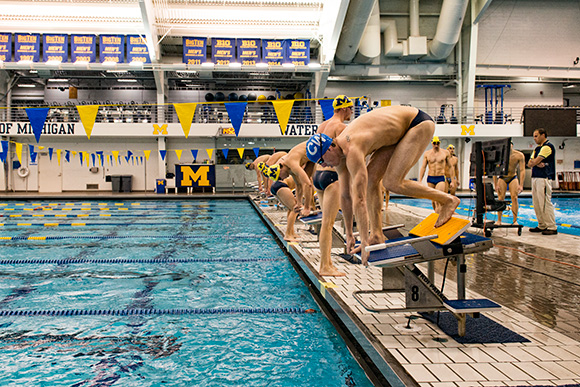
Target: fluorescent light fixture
point(82, 62)
point(126, 80)
point(117, 71)
point(235, 65)
point(313, 65)
point(58, 80)
point(207, 64)
point(136, 63)
point(109, 63)
point(569, 86)
point(262, 65)
point(26, 85)
point(288, 65)
point(33, 71)
point(25, 62)
point(53, 62)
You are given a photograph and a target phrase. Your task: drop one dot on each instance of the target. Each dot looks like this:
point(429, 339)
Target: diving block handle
point(386, 228)
point(382, 246)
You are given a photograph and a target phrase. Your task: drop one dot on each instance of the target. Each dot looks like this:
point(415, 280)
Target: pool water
point(229, 308)
point(567, 211)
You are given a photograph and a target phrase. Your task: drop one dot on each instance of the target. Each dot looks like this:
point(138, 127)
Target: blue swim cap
point(316, 146)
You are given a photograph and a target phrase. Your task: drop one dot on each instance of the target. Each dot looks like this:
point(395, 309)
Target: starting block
point(399, 254)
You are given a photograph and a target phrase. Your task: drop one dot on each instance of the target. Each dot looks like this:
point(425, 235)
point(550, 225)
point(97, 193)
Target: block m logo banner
point(195, 175)
point(468, 130)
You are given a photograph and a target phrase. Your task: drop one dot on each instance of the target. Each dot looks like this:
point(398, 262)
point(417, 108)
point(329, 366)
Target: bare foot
point(331, 272)
point(291, 238)
point(446, 211)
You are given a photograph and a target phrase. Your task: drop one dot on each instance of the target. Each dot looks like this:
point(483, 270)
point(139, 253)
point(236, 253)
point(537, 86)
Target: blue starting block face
point(311, 219)
point(392, 254)
point(471, 306)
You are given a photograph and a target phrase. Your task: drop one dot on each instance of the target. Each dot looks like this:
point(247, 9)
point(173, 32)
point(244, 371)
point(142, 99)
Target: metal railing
point(303, 112)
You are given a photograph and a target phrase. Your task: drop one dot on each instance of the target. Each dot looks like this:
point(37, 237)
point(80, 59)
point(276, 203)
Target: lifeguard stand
point(494, 113)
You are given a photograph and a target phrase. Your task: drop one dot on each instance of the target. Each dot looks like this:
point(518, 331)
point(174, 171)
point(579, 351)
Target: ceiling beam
point(148, 15)
point(480, 8)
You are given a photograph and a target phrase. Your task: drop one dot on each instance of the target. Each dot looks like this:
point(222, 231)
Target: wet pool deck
point(552, 357)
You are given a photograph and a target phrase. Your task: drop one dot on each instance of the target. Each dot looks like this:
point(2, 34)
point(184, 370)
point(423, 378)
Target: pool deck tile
point(550, 358)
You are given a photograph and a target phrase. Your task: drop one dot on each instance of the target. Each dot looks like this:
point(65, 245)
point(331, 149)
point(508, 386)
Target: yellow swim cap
point(341, 101)
point(248, 165)
point(435, 139)
point(273, 172)
point(450, 146)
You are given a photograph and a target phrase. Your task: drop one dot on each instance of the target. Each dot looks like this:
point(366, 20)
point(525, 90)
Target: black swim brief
point(323, 179)
point(435, 179)
point(507, 179)
point(420, 117)
point(276, 186)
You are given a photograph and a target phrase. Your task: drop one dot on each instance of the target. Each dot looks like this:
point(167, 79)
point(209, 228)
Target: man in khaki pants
point(543, 164)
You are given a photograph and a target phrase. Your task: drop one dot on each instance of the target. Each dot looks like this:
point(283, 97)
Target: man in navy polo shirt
point(543, 164)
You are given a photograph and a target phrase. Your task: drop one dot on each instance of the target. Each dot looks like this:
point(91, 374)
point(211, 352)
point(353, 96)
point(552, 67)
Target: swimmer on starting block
point(253, 166)
point(396, 136)
point(297, 165)
point(512, 182)
point(282, 189)
point(325, 181)
point(439, 162)
point(273, 159)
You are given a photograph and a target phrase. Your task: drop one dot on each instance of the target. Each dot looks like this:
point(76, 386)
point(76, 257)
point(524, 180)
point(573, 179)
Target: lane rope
point(132, 312)
point(132, 260)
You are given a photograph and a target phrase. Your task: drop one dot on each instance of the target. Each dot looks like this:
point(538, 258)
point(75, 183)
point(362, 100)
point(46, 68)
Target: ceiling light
point(136, 63)
point(26, 85)
point(262, 65)
point(25, 62)
point(82, 62)
point(207, 64)
point(235, 65)
point(32, 71)
point(58, 80)
point(53, 62)
point(109, 63)
point(117, 71)
point(288, 65)
point(126, 80)
point(313, 65)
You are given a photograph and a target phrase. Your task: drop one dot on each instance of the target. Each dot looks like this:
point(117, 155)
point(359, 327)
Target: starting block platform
point(399, 254)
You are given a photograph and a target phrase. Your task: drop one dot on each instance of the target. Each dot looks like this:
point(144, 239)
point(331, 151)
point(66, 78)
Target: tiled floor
point(552, 357)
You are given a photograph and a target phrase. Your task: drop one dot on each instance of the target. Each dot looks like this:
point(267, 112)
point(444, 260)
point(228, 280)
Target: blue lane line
point(132, 312)
point(132, 260)
point(203, 237)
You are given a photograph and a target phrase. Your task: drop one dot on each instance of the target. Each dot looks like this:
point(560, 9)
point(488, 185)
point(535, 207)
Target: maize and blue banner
point(137, 50)
point(112, 48)
point(273, 52)
point(27, 47)
point(5, 47)
point(83, 48)
point(298, 52)
point(55, 47)
point(194, 50)
point(195, 175)
point(248, 51)
point(223, 51)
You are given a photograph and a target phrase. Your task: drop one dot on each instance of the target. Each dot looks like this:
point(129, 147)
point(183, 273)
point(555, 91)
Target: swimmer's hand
point(350, 242)
point(297, 208)
point(304, 212)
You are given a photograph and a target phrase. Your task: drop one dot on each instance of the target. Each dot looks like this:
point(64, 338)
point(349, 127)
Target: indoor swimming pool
point(149, 293)
point(567, 211)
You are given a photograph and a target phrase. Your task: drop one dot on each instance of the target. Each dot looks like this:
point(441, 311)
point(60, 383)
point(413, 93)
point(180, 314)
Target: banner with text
point(27, 47)
point(137, 50)
point(223, 51)
point(5, 47)
point(112, 48)
point(273, 52)
point(55, 48)
point(248, 51)
point(194, 50)
point(83, 48)
point(298, 52)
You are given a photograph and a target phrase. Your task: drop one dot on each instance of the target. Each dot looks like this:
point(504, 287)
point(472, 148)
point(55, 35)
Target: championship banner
point(5, 47)
point(223, 51)
point(273, 52)
point(194, 50)
point(112, 48)
point(27, 47)
point(137, 50)
point(298, 52)
point(195, 175)
point(248, 51)
point(83, 48)
point(55, 48)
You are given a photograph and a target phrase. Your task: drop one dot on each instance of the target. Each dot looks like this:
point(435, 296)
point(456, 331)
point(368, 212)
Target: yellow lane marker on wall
point(324, 286)
point(566, 225)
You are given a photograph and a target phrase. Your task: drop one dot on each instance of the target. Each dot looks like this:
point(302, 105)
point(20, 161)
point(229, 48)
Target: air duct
point(370, 44)
point(355, 22)
point(391, 44)
point(448, 29)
